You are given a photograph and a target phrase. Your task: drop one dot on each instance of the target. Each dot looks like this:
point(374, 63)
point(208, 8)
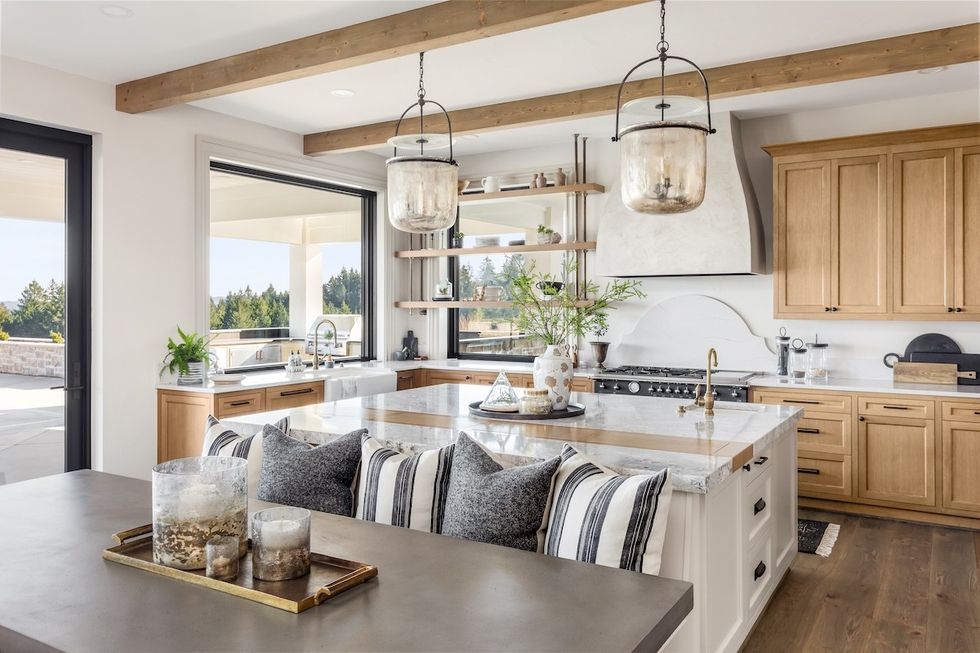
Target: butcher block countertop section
point(628, 434)
point(432, 593)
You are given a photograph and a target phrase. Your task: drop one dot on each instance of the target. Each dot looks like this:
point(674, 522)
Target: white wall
point(143, 236)
point(857, 346)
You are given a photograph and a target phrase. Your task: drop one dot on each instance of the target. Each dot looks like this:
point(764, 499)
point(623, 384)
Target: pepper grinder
point(782, 352)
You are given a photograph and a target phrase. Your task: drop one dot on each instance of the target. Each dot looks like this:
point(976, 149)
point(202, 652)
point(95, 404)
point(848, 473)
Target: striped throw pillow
point(403, 490)
point(605, 518)
point(219, 440)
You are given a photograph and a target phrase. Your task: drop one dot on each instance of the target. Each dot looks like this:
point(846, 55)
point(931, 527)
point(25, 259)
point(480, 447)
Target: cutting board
point(941, 373)
point(965, 362)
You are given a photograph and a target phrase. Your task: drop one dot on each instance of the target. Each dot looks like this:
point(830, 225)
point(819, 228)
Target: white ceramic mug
point(491, 184)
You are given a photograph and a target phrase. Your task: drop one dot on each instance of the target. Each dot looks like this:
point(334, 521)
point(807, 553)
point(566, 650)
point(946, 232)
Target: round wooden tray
point(573, 410)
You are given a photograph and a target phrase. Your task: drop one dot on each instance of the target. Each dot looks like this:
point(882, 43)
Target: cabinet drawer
point(407, 380)
point(757, 507)
point(892, 407)
point(582, 384)
point(808, 401)
point(293, 396)
point(239, 403)
point(826, 475)
point(758, 572)
point(435, 377)
point(824, 433)
point(961, 411)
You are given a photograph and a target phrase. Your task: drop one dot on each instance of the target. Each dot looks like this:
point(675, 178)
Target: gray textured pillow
point(489, 503)
point(317, 478)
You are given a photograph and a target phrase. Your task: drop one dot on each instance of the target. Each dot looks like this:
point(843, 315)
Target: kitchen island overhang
point(732, 524)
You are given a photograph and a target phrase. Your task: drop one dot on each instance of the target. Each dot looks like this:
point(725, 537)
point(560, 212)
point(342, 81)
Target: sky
point(239, 263)
point(30, 250)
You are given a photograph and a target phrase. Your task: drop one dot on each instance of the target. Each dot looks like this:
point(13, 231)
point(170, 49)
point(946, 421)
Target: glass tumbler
point(195, 500)
point(281, 543)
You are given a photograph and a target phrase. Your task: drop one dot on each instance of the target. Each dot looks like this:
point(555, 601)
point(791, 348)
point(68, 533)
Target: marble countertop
point(627, 434)
point(882, 386)
point(273, 378)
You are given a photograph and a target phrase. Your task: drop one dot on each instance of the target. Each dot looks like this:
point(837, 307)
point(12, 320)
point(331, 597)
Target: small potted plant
point(600, 347)
point(547, 235)
point(187, 357)
point(561, 316)
point(457, 239)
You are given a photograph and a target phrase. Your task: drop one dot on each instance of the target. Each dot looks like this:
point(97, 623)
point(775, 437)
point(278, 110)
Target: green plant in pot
point(547, 235)
point(187, 357)
point(558, 314)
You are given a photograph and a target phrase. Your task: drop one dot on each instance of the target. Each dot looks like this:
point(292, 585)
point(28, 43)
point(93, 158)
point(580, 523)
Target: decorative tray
point(328, 576)
point(573, 410)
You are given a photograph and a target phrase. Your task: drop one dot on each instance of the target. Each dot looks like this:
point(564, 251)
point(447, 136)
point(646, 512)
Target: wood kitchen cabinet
point(882, 226)
point(408, 379)
point(960, 454)
point(897, 459)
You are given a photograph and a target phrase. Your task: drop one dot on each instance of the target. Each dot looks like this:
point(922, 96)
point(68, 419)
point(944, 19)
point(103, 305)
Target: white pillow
point(605, 518)
point(219, 440)
point(402, 490)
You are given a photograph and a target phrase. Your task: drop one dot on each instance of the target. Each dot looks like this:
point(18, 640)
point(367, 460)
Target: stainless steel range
point(676, 382)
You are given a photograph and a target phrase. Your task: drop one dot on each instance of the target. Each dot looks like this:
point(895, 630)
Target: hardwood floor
point(888, 586)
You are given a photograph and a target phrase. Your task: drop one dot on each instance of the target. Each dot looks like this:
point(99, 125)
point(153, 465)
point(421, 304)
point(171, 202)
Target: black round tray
point(573, 410)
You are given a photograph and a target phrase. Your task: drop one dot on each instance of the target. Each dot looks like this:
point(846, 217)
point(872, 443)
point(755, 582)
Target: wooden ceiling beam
point(427, 28)
point(941, 47)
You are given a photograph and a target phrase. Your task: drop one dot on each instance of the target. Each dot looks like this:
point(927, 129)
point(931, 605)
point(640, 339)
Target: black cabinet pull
point(959, 309)
point(834, 309)
point(762, 460)
point(246, 402)
point(895, 407)
point(759, 506)
point(826, 309)
point(949, 309)
point(760, 571)
point(806, 430)
point(976, 412)
point(862, 418)
point(747, 467)
point(801, 401)
point(291, 393)
point(808, 470)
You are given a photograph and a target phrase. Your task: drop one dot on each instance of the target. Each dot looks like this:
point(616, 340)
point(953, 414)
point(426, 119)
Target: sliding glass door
point(45, 300)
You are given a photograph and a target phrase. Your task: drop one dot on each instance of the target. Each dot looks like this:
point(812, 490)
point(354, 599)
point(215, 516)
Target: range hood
point(722, 236)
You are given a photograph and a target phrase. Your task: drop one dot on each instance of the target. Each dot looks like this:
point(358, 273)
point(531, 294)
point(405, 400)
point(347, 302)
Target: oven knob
point(714, 393)
point(735, 393)
point(634, 387)
point(660, 388)
point(677, 391)
point(602, 386)
point(616, 388)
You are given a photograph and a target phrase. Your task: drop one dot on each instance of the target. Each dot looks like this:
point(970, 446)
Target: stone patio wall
point(31, 358)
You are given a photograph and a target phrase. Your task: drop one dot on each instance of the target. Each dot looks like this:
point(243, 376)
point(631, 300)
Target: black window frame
point(369, 203)
point(452, 314)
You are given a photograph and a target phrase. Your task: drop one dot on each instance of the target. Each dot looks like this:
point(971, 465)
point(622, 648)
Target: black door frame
point(76, 150)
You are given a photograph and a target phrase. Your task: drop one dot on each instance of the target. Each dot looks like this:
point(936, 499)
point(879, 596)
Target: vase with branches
point(559, 314)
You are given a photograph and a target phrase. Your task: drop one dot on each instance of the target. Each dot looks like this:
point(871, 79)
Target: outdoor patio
point(32, 430)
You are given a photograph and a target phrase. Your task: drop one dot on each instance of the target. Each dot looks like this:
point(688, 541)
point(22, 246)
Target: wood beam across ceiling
point(941, 47)
point(426, 28)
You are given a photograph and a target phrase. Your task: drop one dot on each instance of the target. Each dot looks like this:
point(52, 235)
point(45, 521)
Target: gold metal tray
point(328, 576)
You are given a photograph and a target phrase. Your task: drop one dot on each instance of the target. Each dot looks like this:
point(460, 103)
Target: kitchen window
point(491, 332)
point(283, 251)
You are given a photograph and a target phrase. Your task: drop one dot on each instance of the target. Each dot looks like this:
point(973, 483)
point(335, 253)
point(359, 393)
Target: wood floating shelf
point(533, 192)
point(470, 304)
point(498, 249)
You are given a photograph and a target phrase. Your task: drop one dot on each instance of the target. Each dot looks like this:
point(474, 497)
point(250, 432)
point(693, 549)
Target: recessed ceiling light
point(116, 11)
point(930, 71)
point(342, 92)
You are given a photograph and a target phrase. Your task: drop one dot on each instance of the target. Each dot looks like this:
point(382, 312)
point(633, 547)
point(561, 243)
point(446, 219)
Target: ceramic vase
point(553, 372)
point(194, 376)
point(560, 178)
point(542, 180)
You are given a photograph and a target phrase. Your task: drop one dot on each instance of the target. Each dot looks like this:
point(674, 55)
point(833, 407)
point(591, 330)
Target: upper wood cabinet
point(884, 226)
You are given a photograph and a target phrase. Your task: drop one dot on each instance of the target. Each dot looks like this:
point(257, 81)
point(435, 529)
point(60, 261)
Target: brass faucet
point(708, 400)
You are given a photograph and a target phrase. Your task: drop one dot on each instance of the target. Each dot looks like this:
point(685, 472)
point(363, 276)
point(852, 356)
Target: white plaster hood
point(722, 236)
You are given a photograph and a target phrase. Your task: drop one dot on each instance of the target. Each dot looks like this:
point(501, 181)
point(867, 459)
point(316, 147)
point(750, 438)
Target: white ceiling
point(574, 54)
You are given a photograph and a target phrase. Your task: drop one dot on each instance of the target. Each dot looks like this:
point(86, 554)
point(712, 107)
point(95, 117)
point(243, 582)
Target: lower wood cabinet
point(408, 379)
point(905, 456)
point(961, 466)
point(897, 459)
point(293, 396)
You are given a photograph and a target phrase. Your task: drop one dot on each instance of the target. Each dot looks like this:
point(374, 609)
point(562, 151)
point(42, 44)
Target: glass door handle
point(69, 388)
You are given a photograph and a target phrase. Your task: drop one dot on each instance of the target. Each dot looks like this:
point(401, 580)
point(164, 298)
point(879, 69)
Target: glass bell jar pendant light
point(422, 190)
point(663, 163)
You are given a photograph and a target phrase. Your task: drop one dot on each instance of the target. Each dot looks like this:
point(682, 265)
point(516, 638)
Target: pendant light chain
point(421, 96)
point(662, 47)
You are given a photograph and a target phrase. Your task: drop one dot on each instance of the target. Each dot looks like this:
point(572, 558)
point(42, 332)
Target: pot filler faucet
point(320, 321)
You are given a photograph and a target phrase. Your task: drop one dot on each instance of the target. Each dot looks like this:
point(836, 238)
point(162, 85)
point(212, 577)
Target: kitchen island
point(732, 523)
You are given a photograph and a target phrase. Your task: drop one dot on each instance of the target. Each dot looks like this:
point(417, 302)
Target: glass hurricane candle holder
point(281, 543)
point(222, 557)
point(195, 500)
